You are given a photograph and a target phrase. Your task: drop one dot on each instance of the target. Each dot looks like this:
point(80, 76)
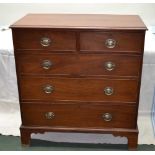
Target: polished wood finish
point(82, 21)
point(82, 64)
point(131, 134)
point(70, 115)
point(60, 41)
point(78, 53)
point(125, 41)
point(87, 89)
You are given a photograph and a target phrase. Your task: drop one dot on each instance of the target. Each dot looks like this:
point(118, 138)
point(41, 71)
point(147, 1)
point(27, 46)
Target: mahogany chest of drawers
point(79, 73)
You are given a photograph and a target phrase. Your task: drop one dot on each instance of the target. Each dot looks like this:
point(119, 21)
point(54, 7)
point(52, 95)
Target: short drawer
point(44, 39)
point(112, 41)
point(85, 89)
point(84, 64)
point(80, 116)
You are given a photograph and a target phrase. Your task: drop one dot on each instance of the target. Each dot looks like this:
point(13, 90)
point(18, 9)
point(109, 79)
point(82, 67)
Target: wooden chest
point(79, 73)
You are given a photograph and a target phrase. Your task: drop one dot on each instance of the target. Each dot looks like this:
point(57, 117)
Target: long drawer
point(86, 89)
point(75, 115)
point(84, 64)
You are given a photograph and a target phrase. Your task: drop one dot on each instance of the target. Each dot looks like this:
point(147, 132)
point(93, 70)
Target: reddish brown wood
point(31, 40)
point(83, 21)
point(133, 141)
point(25, 137)
point(78, 54)
point(87, 89)
point(125, 41)
point(81, 116)
point(82, 64)
point(131, 134)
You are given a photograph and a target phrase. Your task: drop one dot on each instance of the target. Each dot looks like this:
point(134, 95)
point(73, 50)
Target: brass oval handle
point(109, 65)
point(107, 117)
point(49, 115)
point(110, 43)
point(45, 42)
point(108, 91)
point(46, 64)
point(48, 89)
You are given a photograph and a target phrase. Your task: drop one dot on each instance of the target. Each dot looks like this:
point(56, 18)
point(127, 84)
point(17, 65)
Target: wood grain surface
point(84, 21)
point(78, 65)
point(78, 53)
point(75, 115)
point(85, 89)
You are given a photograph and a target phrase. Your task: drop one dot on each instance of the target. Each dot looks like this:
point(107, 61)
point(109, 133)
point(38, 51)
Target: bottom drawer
point(79, 115)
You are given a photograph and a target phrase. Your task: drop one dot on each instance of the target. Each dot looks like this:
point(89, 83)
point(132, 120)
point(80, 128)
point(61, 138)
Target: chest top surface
point(81, 21)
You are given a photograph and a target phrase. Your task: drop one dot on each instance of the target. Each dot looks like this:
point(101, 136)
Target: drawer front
point(72, 64)
point(112, 41)
point(46, 40)
point(74, 115)
point(85, 89)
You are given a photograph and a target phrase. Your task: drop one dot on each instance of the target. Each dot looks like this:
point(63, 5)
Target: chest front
point(79, 77)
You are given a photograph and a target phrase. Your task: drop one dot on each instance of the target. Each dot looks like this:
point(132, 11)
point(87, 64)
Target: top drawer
point(44, 39)
point(112, 41)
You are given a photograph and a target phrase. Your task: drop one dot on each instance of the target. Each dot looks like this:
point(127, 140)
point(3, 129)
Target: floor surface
point(12, 143)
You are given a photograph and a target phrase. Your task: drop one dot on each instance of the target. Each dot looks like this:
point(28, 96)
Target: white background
point(10, 12)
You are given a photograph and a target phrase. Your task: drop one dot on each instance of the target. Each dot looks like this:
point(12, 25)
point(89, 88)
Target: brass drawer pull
point(110, 43)
point(46, 64)
point(109, 65)
point(49, 115)
point(48, 89)
point(45, 42)
point(108, 91)
point(107, 117)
